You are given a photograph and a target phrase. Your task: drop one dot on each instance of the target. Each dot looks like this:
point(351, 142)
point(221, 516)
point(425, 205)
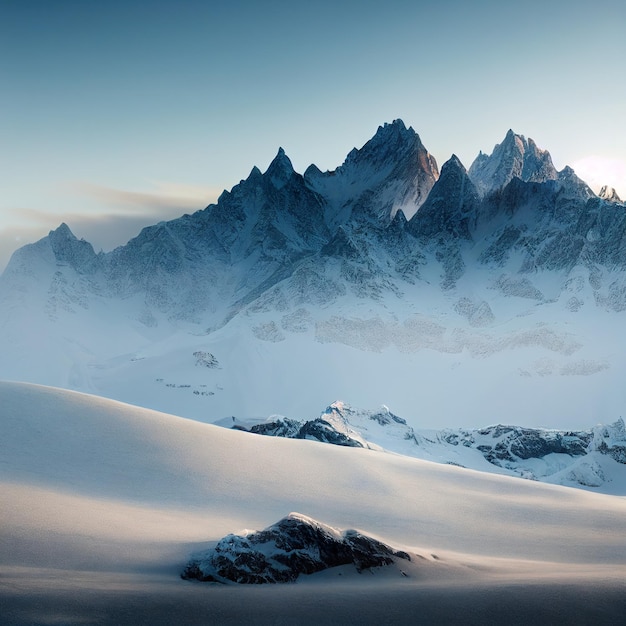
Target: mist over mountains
point(385, 280)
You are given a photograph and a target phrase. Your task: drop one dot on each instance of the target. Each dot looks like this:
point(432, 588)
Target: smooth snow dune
point(105, 500)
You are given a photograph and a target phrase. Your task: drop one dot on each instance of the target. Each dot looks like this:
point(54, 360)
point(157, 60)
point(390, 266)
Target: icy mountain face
point(224, 254)
point(515, 157)
point(548, 227)
point(610, 440)
point(587, 458)
point(392, 172)
point(347, 231)
point(296, 545)
point(67, 249)
point(59, 251)
point(222, 258)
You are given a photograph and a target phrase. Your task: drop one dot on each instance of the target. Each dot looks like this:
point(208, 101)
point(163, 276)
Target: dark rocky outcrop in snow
point(293, 546)
point(322, 430)
point(500, 444)
point(513, 443)
point(278, 427)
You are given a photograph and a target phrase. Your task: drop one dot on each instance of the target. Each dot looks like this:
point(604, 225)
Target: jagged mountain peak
point(392, 171)
point(312, 171)
point(573, 186)
point(255, 172)
point(280, 169)
point(515, 157)
point(70, 250)
point(397, 127)
point(63, 231)
point(453, 162)
point(609, 194)
point(390, 141)
point(451, 206)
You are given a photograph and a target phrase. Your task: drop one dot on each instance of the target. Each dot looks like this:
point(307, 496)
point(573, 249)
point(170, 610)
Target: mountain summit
point(280, 169)
point(609, 193)
point(393, 171)
point(515, 157)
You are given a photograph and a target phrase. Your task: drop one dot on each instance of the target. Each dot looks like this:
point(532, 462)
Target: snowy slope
point(104, 502)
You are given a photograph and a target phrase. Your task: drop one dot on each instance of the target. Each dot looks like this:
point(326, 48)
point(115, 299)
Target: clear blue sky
point(116, 114)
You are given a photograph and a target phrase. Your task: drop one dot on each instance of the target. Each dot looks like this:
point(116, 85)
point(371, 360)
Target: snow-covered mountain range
point(593, 459)
point(493, 294)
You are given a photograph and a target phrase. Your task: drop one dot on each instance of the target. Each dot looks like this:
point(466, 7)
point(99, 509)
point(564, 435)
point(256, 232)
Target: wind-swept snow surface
point(103, 503)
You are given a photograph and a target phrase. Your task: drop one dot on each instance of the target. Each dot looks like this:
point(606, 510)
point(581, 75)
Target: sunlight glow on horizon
point(598, 171)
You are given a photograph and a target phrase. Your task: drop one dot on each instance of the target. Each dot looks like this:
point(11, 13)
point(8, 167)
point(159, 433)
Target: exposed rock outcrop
point(282, 552)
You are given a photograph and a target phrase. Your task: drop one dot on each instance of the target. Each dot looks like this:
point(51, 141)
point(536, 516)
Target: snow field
point(103, 503)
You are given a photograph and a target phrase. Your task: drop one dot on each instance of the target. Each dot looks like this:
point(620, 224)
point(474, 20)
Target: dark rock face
point(295, 545)
point(321, 430)
point(283, 427)
point(318, 430)
point(513, 443)
point(451, 206)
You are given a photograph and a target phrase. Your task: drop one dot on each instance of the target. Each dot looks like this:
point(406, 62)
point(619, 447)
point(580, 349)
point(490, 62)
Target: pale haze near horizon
point(119, 115)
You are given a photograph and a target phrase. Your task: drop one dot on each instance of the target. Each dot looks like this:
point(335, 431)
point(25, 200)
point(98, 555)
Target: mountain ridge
point(386, 255)
point(592, 459)
point(259, 216)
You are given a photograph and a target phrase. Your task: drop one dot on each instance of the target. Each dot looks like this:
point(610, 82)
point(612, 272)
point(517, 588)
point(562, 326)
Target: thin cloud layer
point(164, 195)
